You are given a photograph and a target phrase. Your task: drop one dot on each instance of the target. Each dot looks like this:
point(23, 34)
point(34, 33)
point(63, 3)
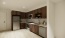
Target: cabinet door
point(23, 26)
point(44, 12)
point(26, 15)
point(2, 21)
point(34, 29)
point(13, 13)
point(31, 12)
point(23, 15)
point(18, 13)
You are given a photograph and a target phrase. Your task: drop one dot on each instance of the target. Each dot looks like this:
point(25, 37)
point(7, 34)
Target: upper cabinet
point(21, 14)
point(44, 12)
point(31, 14)
point(38, 13)
point(16, 13)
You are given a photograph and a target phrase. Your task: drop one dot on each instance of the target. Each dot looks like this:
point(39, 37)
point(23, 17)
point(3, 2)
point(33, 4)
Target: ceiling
point(56, 1)
point(22, 5)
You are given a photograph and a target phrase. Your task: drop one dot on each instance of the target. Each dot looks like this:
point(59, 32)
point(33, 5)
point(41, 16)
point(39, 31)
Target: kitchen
point(35, 21)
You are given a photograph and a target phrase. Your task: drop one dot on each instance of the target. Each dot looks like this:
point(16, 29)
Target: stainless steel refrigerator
point(16, 22)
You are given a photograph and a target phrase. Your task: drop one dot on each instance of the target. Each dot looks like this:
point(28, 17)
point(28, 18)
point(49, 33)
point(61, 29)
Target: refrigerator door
point(16, 22)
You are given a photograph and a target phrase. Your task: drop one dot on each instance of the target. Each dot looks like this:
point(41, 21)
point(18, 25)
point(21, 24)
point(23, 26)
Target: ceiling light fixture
point(23, 7)
point(4, 2)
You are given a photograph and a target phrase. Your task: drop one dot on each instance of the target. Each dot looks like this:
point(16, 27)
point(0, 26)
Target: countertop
point(40, 25)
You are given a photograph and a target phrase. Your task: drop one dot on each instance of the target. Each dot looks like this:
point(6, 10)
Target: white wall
point(8, 18)
point(2, 20)
point(50, 19)
point(60, 20)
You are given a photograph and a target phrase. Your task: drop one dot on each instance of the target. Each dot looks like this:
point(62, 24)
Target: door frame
point(12, 21)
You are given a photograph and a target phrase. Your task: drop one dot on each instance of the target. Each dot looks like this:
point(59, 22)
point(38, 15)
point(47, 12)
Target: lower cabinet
point(23, 26)
point(34, 29)
point(41, 31)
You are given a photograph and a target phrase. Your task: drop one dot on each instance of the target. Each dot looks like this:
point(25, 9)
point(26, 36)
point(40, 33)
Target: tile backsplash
point(34, 20)
point(37, 20)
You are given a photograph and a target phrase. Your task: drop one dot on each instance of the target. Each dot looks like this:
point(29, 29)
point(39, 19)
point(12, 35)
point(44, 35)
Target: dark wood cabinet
point(44, 12)
point(41, 11)
point(16, 13)
point(13, 13)
point(23, 16)
point(29, 13)
point(23, 26)
point(34, 29)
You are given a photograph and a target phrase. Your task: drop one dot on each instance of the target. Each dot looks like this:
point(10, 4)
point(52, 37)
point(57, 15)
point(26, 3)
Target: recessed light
point(23, 7)
point(4, 2)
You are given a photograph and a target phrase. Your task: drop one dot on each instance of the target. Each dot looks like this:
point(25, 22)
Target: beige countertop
point(40, 25)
